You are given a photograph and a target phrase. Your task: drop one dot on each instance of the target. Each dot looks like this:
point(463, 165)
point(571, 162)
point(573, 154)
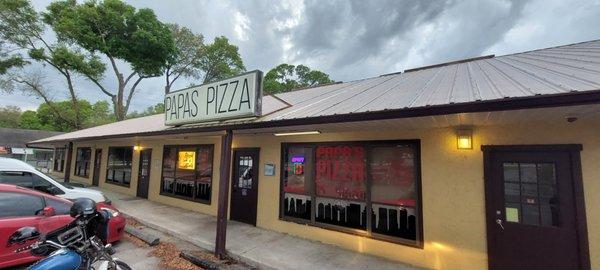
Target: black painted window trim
point(416, 144)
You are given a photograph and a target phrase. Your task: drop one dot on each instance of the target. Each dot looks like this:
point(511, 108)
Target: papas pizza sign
point(235, 97)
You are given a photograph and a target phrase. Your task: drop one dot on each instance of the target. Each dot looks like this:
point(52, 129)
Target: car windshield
point(60, 181)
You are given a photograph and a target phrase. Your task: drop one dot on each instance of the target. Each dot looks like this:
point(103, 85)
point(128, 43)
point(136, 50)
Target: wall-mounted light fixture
point(137, 147)
point(464, 139)
point(297, 133)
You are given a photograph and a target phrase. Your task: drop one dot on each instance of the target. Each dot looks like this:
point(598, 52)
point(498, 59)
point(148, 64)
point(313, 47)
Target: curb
point(202, 244)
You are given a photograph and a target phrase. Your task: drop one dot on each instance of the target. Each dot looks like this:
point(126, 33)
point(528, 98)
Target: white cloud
point(357, 39)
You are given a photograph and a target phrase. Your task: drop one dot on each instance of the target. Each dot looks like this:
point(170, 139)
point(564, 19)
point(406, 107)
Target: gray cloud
point(357, 39)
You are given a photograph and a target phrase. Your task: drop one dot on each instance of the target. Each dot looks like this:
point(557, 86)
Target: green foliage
point(221, 60)
point(185, 62)
point(30, 120)
point(9, 116)
point(9, 60)
point(286, 77)
point(150, 110)
point(116, 29)
point(52, 120)
point(101, 114)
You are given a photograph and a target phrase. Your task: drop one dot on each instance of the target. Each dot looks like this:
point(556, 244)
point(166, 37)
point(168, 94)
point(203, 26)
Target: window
point(29, 205)
point(119, 165)
point(60, 207)
point(371, 188)
point(530, 194)
point(59, 159)
point(82, 161)
point(22, 179)
point(29, 180)
point(187, 172)
point(42, 185)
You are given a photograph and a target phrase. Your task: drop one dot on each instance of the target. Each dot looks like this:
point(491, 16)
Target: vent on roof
point(450, 63)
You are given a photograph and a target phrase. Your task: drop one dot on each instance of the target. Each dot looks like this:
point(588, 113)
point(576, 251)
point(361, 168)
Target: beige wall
point(155, 172)
point(452, 188)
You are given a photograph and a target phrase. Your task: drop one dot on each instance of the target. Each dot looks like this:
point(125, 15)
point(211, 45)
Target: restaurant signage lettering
point(235, 97)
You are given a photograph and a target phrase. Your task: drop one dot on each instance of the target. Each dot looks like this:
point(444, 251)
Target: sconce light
point(464, 139)
point(137, 147)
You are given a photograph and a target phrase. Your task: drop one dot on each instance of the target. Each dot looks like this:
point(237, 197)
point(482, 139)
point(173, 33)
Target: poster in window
point(341, 172)
point(187, 160)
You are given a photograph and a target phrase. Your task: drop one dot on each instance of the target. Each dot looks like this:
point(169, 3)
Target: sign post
point(235, 97)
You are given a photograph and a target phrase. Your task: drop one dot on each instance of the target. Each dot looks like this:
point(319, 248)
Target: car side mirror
point(23, 235)
point(48, 211)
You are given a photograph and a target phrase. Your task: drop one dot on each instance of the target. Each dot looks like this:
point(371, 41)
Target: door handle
point(499, 222)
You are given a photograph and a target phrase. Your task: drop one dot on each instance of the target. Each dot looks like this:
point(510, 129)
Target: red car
point(21, 207)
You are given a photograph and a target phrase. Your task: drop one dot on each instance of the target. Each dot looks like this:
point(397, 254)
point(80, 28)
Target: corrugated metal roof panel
point(557, 70)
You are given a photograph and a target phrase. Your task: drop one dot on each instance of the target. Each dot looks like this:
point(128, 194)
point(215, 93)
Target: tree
point(8, 59)
point(185, 62)
point(22, 28)
point(150, 110)
point(100, 114)
point(30, 120)
point(117, 31)
point(221, 60)
point(286, 77)
point(50, 120)
point(9, 116)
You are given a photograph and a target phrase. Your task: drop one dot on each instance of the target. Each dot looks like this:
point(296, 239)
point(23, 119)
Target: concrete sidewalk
point(257, 247)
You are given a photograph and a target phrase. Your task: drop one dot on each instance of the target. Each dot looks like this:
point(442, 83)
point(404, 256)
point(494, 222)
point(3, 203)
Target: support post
point(223, 199)
point(68, 163)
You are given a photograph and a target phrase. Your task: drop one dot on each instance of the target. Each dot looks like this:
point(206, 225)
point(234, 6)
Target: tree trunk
point(78, 123)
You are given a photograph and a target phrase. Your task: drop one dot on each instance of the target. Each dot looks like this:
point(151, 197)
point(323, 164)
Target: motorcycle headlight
point(111, 212)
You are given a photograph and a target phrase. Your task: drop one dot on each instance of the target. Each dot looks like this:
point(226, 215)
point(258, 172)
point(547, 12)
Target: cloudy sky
point(357, 39)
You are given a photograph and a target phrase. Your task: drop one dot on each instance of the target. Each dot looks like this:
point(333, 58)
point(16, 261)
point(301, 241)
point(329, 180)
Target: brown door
point(97, 163)
point(244, 185)
point(144, 173)
point(534, 208)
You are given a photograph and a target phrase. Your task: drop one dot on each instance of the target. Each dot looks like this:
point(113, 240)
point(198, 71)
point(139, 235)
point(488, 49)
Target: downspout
point(68, 163)
point(223, 198)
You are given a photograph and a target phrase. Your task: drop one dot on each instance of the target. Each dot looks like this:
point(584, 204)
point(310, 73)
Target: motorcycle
point(78, 245)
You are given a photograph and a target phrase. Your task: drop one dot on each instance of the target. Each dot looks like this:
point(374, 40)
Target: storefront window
point(119, 165)
point(82, 161)
point(59, 159)
point(297, 183)
point(392, 171)
point(187, 172)
point(338, 176)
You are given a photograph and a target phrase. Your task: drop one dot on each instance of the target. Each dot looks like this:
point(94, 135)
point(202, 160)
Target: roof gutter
point(531, 102)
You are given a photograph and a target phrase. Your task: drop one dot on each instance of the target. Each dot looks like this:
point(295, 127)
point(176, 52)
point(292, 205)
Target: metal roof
point(557, 71)
point(17, 138)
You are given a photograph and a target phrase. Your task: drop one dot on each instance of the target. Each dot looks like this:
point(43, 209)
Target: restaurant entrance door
point(244, 185)
point(534, 204)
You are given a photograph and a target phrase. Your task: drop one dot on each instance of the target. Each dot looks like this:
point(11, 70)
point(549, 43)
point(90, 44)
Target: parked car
point(21, 207)
point(16, 172)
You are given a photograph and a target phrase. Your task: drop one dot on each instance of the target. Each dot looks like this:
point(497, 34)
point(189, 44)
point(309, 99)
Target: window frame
point(59, 152)
point(78, 161)
point(108, 167)
point(196, 176)
point(367, 144)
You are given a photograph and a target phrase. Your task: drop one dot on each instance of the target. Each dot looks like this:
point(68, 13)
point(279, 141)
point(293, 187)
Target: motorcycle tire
point(121, 266)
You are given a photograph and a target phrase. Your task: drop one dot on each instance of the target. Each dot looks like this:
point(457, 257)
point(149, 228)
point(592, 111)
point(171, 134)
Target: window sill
point(82, 176)
point(207, 202)
point(117, 183)
point(357, 232)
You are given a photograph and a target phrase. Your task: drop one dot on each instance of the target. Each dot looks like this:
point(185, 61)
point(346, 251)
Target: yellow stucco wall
point(452, 188)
